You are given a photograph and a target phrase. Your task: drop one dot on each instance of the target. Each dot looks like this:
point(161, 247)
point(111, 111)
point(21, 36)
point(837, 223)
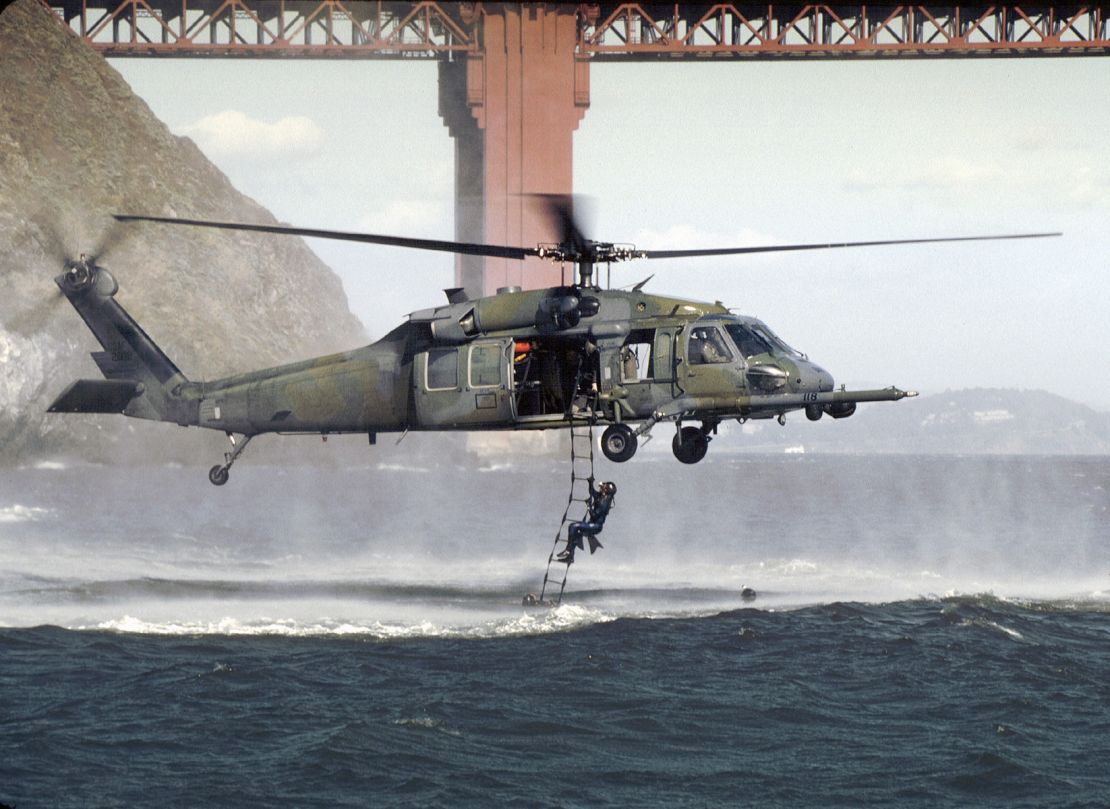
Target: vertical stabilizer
point(140, 380)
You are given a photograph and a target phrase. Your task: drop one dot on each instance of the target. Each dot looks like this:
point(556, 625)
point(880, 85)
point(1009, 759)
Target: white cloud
point(234, 134)
point(946, 173)
point(1049, 138)
point(1075, 181)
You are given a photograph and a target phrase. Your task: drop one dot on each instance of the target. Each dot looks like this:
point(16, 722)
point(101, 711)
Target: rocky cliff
point(76, 145)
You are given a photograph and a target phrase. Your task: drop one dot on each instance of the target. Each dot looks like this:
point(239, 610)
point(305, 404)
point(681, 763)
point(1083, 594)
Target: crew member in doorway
point(597, 509)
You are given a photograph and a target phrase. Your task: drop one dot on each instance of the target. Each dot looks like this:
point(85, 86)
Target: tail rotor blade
point(113, 235)
point(51, 241)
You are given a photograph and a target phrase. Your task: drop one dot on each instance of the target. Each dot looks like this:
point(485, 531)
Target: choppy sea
point(928, 631)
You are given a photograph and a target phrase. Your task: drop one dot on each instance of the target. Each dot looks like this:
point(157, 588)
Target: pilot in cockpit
point(706, 347)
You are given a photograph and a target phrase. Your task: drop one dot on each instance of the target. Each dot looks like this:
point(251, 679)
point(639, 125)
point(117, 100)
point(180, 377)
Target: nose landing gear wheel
point(618, 443)
point(690, 445)
point(218, 475)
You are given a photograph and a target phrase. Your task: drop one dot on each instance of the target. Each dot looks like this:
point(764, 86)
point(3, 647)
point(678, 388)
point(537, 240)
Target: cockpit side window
point(748, 340)
point(707, 347)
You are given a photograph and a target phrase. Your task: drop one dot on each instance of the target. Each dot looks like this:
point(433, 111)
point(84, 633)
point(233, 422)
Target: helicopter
point(519, 360)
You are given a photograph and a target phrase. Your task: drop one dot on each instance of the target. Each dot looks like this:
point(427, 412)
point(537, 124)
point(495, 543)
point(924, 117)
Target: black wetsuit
point(596, 511)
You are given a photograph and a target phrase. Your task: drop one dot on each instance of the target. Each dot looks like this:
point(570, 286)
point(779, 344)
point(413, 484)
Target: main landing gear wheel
point(218, 474)
point(618, 443)
point(690, 445)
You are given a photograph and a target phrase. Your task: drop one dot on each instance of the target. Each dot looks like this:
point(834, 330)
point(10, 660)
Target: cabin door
point(712, 366)
point(647, 371)
point(663, 360)
point(464, 386)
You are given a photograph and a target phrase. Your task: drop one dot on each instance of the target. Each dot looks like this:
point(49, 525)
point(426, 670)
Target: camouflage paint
point(385, 387)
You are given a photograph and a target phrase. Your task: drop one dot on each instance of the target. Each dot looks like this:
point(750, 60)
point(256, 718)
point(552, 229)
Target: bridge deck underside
point(606, 31)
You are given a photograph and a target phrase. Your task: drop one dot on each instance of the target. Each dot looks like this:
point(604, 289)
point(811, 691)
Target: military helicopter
point(519, 360)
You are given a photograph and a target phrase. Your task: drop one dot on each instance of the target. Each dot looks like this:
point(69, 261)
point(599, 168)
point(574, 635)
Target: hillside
point(975, 421)
point(76, 144)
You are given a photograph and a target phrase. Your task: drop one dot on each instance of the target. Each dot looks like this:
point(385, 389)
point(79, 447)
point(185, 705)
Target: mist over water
point(404, 549)
point(929, 631)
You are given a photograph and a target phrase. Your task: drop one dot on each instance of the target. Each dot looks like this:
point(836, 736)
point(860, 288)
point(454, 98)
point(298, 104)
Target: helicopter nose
point(812, 377)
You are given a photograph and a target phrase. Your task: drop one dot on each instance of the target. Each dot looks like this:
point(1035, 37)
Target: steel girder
point(654, 30)
point(278, 28)
point(606, 31)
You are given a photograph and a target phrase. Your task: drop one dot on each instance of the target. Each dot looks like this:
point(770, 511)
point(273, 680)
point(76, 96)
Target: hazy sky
point(682, 155)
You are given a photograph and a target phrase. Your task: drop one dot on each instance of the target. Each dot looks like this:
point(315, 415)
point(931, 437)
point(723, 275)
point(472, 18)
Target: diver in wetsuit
point(597, 509)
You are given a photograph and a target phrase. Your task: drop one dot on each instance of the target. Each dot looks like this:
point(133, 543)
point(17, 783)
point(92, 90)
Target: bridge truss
point(605, 31)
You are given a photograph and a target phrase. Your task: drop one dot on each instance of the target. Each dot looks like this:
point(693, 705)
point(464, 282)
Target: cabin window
point(707, 347)
point(635, 357)
point(485, 366)
point(443, 369)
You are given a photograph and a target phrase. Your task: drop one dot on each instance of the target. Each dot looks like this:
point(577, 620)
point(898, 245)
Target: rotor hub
point(79, 274)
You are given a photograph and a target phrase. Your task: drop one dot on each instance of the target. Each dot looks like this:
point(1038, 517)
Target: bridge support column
point(512, 110)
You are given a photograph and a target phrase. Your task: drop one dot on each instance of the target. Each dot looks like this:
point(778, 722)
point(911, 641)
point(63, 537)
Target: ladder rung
point(581, 471)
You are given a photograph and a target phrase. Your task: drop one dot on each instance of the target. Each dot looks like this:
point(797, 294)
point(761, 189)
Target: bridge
point(514, 77)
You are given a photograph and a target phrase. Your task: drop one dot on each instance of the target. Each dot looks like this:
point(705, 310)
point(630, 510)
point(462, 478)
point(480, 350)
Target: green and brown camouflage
point(542, 359)
point(537, 359)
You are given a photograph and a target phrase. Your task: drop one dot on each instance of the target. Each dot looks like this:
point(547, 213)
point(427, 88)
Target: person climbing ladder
point(597, 509)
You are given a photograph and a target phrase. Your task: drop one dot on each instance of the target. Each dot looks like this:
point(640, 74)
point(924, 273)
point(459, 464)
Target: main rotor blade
point(784, 248)
point(560, 209)
point(111, 238)
point(464, 248)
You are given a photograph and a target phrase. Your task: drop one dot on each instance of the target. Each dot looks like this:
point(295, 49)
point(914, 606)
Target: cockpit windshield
point(747, 340)
point(758, 339)
point(777, 341)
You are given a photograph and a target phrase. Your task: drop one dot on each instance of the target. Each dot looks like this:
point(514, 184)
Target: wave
point(507, 591)
point(51, 465)
point(393, 612)
point(399, 467)
point(18, 513)
point(71, 590)
point(558, 619)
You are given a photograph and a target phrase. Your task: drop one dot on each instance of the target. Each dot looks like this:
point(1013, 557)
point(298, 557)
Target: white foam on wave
point(560, 619)
point(399, 467)
point(1013, 633)
point(426, 723)
point(51, 465)
point(18, 513)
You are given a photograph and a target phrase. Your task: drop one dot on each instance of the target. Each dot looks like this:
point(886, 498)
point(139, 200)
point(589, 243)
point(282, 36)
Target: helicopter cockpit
point(754, 338)
point(768, 363)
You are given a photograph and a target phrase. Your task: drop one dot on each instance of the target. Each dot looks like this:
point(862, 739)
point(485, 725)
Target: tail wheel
point(218, 475)
point(618, 443)
point(690, 445)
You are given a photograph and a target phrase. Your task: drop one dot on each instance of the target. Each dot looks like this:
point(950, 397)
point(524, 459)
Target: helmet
point(609, 487)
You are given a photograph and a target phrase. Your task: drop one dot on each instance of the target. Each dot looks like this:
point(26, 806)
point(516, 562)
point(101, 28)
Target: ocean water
point(929, 631)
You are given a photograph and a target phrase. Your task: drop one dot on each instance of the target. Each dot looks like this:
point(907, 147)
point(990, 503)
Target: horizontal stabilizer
point(97, 396)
